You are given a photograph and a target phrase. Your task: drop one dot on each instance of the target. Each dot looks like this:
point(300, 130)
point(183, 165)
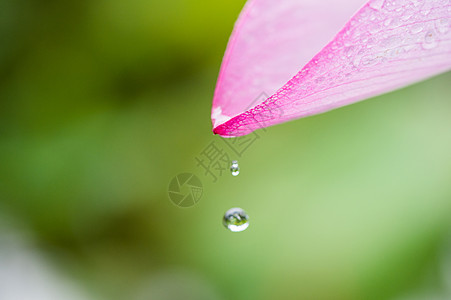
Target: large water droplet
point(236, 219)
point(234, 168)
point(430, 40)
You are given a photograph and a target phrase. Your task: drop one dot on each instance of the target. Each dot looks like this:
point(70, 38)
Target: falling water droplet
point(429, 40)
point(234, 168)
point(236, 219)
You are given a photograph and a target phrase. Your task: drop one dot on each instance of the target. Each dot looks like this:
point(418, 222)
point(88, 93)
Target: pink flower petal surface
point(383, 46)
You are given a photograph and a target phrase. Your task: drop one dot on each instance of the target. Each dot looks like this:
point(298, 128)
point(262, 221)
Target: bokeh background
point(104, 102)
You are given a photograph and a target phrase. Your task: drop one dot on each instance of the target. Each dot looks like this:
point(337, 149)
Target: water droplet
point(236, 219)
point(234, 168)
point(429, 40)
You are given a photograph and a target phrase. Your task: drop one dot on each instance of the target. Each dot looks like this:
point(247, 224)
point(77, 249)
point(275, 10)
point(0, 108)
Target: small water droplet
point(234, 168)
point(236, 219)
point(429, 40)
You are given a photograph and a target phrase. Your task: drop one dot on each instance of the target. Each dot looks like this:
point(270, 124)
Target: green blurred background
point(103, 102)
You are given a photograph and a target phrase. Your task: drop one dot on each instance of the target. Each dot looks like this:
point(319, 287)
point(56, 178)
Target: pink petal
point(384, 46)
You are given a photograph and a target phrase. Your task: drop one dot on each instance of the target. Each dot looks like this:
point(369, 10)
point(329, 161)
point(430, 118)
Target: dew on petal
point(389, 38)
